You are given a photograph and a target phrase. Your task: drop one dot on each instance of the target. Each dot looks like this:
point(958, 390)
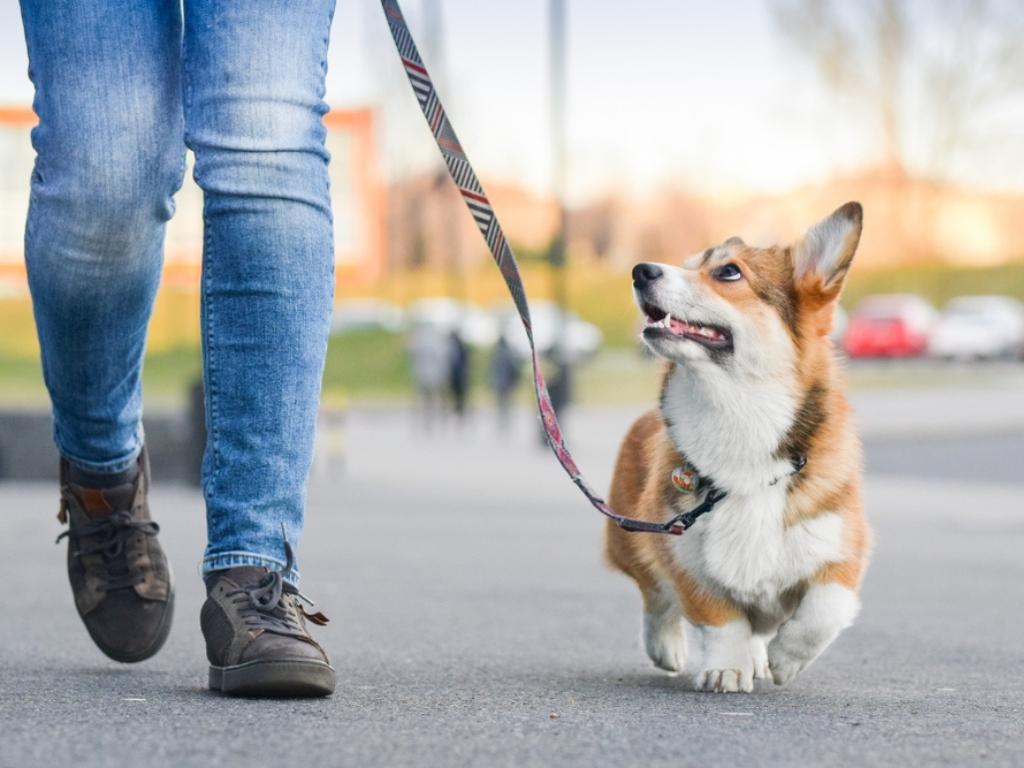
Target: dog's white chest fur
point(743, 548)
point(730, 429)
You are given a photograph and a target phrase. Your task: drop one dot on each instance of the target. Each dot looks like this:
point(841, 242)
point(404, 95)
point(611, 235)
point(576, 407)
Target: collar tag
point(685, 479)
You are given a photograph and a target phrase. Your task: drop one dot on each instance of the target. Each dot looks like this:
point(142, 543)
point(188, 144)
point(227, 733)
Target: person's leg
point(254, 87)
point(109, 158)
point(110, 155)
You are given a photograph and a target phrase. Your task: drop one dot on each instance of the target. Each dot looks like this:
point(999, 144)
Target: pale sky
point(660, 92)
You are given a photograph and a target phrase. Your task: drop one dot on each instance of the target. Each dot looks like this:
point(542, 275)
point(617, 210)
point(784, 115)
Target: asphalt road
point(474, 624)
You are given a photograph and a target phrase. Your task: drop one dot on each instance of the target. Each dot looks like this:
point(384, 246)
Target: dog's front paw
point(823, 612)
point(726, 665)
point(784, 665)
point(725, 681)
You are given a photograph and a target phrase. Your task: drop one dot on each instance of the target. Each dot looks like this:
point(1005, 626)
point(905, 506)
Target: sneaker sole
point(292, 679)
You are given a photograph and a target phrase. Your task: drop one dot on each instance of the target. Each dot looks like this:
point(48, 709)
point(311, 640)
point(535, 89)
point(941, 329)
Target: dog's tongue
point(681, 327)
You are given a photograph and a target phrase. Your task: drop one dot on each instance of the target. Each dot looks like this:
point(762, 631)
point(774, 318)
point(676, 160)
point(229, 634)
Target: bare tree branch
point(930, 68)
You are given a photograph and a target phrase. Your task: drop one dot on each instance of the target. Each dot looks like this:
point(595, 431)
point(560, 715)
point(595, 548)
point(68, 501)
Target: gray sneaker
point(256, 636)
point(119, 575)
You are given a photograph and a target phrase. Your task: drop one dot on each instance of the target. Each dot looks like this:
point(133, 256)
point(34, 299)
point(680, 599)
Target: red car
point(891, 325)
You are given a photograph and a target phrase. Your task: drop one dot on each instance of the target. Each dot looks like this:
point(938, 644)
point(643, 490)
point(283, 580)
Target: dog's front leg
point(825, 610)
point(727, 663)
point(722, 658)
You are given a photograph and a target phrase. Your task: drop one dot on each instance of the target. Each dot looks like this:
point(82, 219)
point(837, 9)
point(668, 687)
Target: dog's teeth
point(658, 323)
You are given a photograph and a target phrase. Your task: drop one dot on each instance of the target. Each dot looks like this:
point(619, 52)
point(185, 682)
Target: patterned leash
point(480, 207)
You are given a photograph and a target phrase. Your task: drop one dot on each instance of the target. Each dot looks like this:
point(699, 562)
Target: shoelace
point(264, 605)
point(106, 537)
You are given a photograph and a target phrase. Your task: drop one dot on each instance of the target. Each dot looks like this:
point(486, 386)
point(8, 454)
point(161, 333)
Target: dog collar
point(686, 479)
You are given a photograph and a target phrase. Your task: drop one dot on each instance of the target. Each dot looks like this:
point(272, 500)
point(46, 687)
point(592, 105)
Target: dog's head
point(741, 307)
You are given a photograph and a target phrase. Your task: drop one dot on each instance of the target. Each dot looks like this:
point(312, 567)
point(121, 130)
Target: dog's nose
point(645, 273)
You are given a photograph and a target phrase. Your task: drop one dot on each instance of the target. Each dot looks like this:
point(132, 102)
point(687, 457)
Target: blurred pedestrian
point(429, 353)
point(560, 383)
point(505, 373)
point(121, 89)
point(458, 372)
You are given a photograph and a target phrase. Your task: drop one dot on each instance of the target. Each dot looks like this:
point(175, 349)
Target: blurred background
point(609, 133)
point(473, 620)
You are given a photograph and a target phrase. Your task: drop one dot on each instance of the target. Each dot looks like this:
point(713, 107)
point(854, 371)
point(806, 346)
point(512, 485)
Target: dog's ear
point(822, 258)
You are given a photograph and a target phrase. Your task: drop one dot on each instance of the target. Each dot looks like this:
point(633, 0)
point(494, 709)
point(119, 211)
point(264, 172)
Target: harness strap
point(480, 207)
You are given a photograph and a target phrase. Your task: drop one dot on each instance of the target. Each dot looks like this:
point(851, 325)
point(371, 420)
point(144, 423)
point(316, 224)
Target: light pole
point(434, 45)
point(561, 390)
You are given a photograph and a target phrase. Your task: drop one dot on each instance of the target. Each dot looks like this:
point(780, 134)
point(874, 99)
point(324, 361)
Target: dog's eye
point(727, 273)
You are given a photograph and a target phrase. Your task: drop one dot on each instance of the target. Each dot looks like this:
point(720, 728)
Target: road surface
point(473, 623)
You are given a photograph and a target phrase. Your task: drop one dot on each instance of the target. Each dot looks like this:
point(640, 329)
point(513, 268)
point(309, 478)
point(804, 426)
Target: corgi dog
point(752, 409)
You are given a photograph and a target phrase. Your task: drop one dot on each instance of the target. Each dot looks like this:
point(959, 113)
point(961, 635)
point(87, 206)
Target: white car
point(582, 339)
point(365, 314)
point(979, 327)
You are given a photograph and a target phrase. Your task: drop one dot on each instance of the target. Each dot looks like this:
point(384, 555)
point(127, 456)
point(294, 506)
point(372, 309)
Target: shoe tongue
point(102, 502)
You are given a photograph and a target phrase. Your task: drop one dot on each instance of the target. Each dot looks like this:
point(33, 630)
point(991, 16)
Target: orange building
point(357, 190)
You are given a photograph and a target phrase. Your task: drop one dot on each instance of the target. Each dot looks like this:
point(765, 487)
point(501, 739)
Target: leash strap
point(480, 207)
point(687, 519)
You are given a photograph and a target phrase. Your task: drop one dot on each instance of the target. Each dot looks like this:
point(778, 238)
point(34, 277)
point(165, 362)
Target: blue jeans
point(122, 87)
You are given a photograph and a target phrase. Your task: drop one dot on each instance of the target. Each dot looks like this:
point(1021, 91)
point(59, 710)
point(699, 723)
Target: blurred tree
point(933, 73)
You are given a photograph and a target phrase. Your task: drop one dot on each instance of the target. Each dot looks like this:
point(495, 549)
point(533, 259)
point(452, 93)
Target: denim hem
point(104, 467)
point(226, 560)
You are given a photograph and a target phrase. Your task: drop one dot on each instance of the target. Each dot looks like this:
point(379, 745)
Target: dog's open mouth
point(661, 324)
